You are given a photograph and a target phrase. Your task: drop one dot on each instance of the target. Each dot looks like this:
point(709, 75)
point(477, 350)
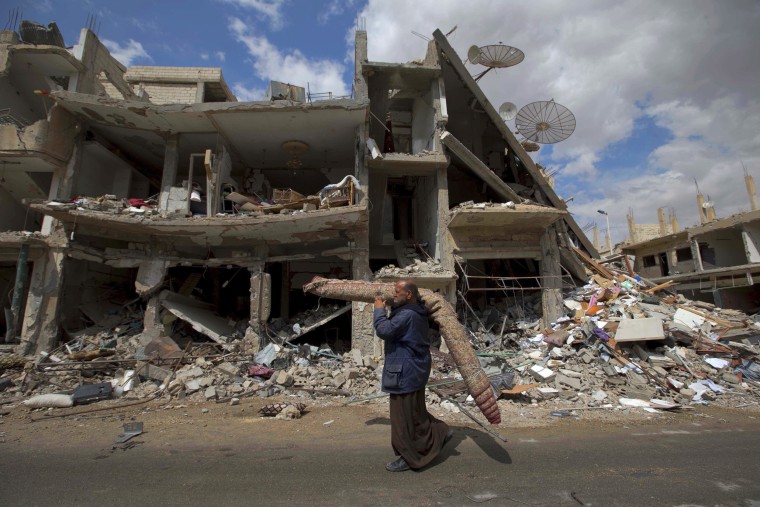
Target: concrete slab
point(200, 318)
point(631, 330)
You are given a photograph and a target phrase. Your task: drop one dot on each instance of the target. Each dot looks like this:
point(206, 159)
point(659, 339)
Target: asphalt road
point(248, 462)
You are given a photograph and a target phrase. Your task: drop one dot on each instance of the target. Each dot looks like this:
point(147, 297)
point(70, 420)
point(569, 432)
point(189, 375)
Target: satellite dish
point(473, 54)
point(499, 56)
point(496, 56)
point(708, 205)
point(545, 122)
point(507, 111)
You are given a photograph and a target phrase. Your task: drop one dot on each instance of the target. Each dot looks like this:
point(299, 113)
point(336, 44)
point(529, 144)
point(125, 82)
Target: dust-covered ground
point(201, 453)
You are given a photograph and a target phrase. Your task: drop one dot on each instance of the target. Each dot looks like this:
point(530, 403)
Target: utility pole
point(609, 237)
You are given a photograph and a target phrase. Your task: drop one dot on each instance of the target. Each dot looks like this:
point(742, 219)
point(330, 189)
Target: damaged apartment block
point(151, 190)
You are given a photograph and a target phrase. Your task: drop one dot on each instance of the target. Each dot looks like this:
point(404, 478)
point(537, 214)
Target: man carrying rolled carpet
point(416, 436)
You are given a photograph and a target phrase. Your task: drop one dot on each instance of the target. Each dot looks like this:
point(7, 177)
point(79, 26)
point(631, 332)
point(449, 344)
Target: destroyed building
point(716, 261)
point(154, 187)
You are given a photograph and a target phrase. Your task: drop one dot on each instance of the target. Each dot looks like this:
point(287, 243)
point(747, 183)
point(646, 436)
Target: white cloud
point(270, 63)
point(204, 56)
point(128, 53)
point(220, 55)
point(334, 8)
point(245, 94)
point(692, 65)
point(44, 6)
point(145, 25)
point(267, 9)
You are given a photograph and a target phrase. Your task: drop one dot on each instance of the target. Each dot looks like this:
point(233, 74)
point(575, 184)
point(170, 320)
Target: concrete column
point(698, 267)
point(661, 221)
point(551, 271)
point(631, 229)
point(63, 182)
point(701, 209)
point(200, 91)
point(169, 176)
point(261, 296)
point(362, 333)
point(749, 181)
point(443, 248)
point(360, 57)
point(152, 325)
point(18, 293)
point(261, 306)
point(40, 329)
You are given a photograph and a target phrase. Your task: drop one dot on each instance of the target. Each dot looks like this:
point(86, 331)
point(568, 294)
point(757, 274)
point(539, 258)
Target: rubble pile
point(618, 344)
point(110, 204)
point(416, 268)
point(413, 261)
point(137, 367)
point(484, 205)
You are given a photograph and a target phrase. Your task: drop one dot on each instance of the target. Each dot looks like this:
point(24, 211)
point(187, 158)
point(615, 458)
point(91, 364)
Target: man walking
point(416, 436)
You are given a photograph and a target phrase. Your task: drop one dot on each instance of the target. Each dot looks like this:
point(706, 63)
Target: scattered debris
point(131, 430)
point(275, 408)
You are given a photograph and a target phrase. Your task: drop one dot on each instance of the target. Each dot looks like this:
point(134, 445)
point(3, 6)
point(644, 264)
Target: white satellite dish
point(708, 205)
point(473, 54)
point(507, 111)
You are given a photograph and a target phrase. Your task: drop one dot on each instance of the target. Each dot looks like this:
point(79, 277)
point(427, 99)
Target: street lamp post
point(609, 238)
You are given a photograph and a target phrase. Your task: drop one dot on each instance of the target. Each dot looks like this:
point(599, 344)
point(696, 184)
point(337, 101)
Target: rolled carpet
point(440, 311)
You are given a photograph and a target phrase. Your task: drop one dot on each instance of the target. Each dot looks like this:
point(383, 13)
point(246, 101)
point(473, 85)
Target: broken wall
point(171, 93)
point(423, 123)
point(684, 261)
point(100, 68)
point(751, 237)
point(728, 248)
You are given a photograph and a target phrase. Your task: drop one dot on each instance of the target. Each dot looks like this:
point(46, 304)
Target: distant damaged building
point(153, 187)
point(717, 262)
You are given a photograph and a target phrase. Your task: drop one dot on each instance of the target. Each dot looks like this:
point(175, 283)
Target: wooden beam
point(594, 265)
point(479, 168)
point(660, 287)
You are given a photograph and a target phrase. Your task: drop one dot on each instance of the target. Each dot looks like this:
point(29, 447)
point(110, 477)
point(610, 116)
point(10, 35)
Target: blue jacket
point(407, 348)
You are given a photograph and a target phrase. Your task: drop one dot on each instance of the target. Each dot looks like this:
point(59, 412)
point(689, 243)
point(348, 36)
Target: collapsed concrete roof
point(451, 57)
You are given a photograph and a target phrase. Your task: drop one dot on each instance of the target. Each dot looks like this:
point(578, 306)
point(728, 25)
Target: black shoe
point(400, 465)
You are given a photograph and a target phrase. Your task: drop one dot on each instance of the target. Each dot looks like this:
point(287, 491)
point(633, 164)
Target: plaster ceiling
point(255, 130)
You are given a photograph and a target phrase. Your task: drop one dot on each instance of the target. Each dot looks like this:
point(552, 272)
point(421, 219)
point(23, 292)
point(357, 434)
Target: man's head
point(405, 292)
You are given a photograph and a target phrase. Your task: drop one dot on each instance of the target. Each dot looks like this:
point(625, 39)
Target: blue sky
point(663, 93)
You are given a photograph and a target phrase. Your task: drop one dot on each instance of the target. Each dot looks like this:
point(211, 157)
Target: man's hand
point(379, 302)
point(434, 308)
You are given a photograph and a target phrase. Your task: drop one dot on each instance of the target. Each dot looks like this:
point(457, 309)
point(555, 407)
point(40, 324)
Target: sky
point(665, 94)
